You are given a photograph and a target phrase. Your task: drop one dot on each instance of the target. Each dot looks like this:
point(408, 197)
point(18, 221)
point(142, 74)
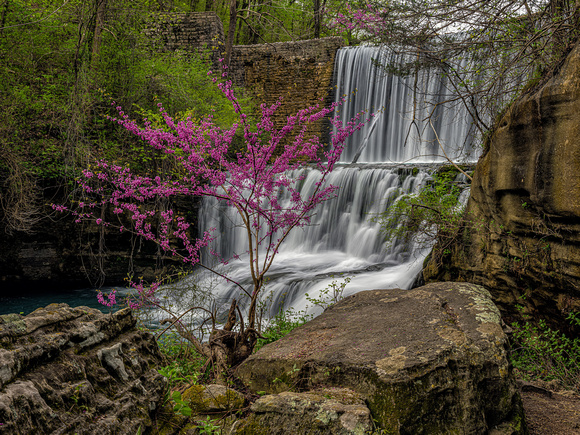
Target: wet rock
point(76, 370)
point(431, 360)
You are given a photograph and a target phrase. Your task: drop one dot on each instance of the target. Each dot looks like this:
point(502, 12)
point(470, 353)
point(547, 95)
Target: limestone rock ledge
point(305, 413)
point(522, 235)
point(76, 370)
point(432, 360)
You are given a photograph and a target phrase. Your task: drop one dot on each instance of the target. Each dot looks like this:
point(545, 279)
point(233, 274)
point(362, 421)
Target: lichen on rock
point(77, 370)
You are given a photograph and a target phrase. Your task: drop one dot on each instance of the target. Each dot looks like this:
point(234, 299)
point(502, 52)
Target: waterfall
point(342, 239)
point(411, 119)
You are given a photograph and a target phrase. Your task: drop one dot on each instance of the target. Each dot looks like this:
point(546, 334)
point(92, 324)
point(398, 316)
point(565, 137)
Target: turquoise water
point(27, 303)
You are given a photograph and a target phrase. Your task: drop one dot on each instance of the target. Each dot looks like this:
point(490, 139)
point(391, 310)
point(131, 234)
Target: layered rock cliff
point(70, 370)
point(521, 238)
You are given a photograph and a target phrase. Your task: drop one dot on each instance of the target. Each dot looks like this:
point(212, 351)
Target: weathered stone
point(77, 370)
point(213, 398)
point(296, 74)
point(194, 31)
point(431, 360)
point(304, 413)
point(522, 237)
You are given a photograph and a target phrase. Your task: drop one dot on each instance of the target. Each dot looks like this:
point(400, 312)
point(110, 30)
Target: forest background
point(63, 63)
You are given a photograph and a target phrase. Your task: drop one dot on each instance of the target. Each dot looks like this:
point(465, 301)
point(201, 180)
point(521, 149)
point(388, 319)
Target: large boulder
point(432, 360)
point(76, 370)
point(522, 235)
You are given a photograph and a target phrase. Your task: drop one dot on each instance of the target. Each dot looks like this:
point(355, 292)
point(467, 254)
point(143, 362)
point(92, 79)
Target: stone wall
point(300, 73)
point(522, 233)
point(190, 32)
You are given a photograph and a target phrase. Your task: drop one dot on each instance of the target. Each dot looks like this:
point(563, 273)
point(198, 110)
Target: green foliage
point(59, 74)
point(330, 295)
point(540, 352)
point(431, 214)
point(208, 426)
point(181, 406)
point(186, 365)
point(287, 320)
point(281, 325)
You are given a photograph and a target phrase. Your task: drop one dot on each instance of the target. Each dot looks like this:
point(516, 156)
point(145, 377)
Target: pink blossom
point(250, 181)
point(111, 298)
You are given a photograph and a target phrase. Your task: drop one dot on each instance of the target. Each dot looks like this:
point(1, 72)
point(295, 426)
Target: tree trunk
point(317, 18)
point(4, 15)
point(98, 33)
point(231, 31)
point(226, 348)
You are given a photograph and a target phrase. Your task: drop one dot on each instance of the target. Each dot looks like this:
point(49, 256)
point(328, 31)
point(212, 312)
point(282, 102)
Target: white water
point(342, 240)
point(402, 131)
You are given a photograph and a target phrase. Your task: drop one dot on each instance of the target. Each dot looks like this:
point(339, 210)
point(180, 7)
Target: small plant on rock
point(432, 214)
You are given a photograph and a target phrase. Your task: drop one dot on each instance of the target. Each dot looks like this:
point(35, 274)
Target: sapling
point(251, 181)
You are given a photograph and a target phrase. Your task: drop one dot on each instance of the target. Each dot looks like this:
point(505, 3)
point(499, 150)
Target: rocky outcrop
point(213, 398)
point(76, 370)
point(58, 253)
point(431, 360)
point(522, 233)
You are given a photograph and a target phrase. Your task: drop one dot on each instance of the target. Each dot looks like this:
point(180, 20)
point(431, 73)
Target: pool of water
point(28, 302)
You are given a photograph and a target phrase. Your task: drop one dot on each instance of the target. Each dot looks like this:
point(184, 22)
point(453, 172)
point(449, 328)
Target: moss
point(390, 407)
point(201, 401)
point(253, 426)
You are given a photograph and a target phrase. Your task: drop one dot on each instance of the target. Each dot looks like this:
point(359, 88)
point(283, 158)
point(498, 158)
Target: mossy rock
point(307, 414)
point(210, 398)
point(428, 360)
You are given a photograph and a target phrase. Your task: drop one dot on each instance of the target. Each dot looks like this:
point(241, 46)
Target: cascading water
point(414, 113)
point(342, 239)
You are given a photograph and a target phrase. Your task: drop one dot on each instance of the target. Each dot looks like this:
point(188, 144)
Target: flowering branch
point(251, 182)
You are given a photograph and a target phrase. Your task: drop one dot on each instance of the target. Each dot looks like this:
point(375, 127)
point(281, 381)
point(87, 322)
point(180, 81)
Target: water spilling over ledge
point(395, 156)
point(414, 114)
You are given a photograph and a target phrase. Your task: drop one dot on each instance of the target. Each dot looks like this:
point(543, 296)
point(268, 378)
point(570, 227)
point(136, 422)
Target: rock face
point(522, 236)
point(75, 370)
point(432, 360)
point(59, 253)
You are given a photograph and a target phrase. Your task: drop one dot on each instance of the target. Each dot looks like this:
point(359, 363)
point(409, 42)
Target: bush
point(432, 214)
point(542, 353)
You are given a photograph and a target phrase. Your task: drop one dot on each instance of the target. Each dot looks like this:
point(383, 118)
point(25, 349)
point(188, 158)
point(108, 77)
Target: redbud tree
point(251, 181)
